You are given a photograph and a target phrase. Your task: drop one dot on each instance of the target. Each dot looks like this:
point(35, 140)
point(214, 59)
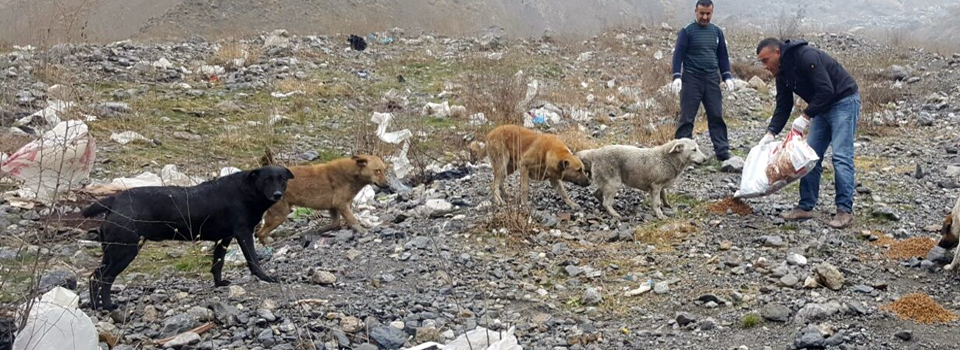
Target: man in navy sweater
point(699, 59)
point(833, 108)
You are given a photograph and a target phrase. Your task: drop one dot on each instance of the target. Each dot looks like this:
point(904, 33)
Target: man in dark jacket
point(832, 113)
point(701, 56)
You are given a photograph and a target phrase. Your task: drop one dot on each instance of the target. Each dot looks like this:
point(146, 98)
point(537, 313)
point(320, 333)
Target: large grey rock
point(939, 255)
point(733, 165)
point(829, 276)
point(225, 313)
point(775, 313)
point(389, 337)
point(178, 324)
point(896, 72)
point(591, 297)
point(809, 338)
point(58, 278)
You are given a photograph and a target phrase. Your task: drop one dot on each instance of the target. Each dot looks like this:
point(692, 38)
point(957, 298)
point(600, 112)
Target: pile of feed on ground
point(734, 205)
point(920, 308)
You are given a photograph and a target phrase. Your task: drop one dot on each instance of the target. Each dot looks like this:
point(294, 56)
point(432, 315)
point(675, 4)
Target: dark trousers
point(703, 88)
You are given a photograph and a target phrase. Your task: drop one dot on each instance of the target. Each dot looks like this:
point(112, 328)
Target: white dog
point(647, 169)
point(950, 233)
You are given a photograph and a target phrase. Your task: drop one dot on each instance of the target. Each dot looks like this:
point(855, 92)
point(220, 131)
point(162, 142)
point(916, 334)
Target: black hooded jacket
point(814, 76)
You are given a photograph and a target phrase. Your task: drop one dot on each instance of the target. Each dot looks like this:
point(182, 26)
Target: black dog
point(357, 43)
point(217, 210)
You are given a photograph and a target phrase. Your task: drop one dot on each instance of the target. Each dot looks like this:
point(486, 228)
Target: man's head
point(768, 53)
point(704, 12)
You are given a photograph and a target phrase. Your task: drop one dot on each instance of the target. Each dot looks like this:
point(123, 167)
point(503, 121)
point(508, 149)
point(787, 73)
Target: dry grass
point(497, 94)
point(920, 308)
point(235, 49)
point(664, 235)
point(576, 139)
point(748, 70)
point(10, 143)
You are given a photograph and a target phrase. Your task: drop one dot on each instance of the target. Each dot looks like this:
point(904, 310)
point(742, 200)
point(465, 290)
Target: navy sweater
point(701, 50)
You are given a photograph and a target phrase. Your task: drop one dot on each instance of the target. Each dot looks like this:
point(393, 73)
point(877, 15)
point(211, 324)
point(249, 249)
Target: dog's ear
point(563, 165)
point(677, 147)
point(288, 173)
point(948, 240)
point(361, 162)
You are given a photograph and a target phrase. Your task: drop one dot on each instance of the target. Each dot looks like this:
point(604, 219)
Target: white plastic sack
point(484, 339)
point(55, 322)
point(773, 166)
point(169, 176)
point(59, 160)
point(50, 115)
point(126, 137)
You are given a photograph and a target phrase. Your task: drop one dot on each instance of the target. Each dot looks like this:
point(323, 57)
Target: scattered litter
point(169, 176)
point(211, 71)
point(364, 205)
point(229, 171)
point(162, 63)
point(277, 119)
point(444, 110)
point(126, 137)
point(478, 119)
point(383, 121)
point(485, 339)
point(55, 320)
point(57, 161)
point(280, 95)
point(49, 115)
point(357, 43)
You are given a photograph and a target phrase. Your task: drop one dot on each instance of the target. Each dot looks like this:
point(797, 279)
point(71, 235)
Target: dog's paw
point(950, 267)
point(223, 283)
point(268, 279)
point(575, 206)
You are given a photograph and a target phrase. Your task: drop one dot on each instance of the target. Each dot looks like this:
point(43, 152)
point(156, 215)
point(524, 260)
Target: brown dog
point(950, 232)
point(538, 156)
point(329, 186)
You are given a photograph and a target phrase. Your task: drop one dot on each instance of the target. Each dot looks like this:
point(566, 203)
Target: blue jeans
point(836, 127)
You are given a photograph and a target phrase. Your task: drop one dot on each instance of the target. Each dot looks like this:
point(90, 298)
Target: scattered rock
point(809, 338)
point(684, 319)
point(183, 339)
point(905, 335)
point(591, 297)
point(733, 165)
point(775, 313)
point(351, 324)
point(829, 276)
point(388, 337)
point(58, 278)
point(797, 260)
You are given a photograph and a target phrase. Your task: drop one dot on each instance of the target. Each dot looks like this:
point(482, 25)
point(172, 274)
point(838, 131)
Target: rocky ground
point(443, 260)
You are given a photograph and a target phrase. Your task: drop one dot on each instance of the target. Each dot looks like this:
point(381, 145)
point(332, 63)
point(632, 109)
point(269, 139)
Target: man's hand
point(768, 138)
point(729, 83)
point(800, 124)
point(675, 86)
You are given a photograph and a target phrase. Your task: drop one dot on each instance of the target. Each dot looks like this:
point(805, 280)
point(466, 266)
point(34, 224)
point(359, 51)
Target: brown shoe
point(797, 215)
point(841, 220)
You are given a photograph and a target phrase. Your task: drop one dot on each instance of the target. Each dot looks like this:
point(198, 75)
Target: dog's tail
point(478, 151)
point(267, 158)
point(98, 207)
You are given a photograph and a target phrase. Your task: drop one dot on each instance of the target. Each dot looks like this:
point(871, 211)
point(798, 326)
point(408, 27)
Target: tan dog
point(329, 186)
point(951, 235)
point(536, 155)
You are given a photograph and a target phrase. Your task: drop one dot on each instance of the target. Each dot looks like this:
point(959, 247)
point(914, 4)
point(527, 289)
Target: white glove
point(800, 124)
point(729, 85)
point(768, 138)
point(675, 86)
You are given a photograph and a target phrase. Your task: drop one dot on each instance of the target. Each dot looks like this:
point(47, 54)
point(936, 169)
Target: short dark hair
point(768, 42)
point(704, 3)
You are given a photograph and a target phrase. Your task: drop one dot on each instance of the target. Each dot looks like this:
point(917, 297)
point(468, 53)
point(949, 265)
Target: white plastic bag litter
point(55, 322)
point(484, 339)
point(59, 160)
point(383, 122)
point(169, 176)
point(772, 166)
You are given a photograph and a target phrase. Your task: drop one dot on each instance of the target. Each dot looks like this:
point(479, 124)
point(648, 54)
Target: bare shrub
point(789, 25)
